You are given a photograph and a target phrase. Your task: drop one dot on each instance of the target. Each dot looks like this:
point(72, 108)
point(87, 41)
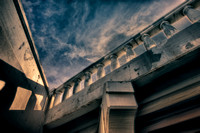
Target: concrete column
point(129, 52)
point(192, 14)
point(118, 109)
point(58, 97)
point(114, 62)
point(66, 93)
point(88, 80)
point(53, 94)
point(148, 42)
point(76, 87)
point(167, 28)
point(100, 71)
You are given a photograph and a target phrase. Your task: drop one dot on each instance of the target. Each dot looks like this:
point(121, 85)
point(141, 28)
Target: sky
point(72, 34)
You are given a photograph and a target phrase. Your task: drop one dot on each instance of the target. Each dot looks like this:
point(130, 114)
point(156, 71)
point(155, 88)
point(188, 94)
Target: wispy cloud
point(70, 35)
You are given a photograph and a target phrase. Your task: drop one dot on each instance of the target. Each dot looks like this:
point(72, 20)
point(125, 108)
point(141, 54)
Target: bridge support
point(118, 108)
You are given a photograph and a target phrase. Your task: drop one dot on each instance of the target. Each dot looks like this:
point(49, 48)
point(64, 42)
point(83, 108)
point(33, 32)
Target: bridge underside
point(166, 85)
point(168, 100)
point(156, 90)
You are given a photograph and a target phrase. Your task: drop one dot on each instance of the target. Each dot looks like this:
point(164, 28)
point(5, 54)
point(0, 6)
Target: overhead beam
point(118, 108)
point(146, 67)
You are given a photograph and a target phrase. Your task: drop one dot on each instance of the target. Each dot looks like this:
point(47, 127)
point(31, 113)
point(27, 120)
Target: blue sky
point(72, 34)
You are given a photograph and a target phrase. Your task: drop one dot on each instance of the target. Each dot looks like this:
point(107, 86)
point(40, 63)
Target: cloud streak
point(70, 35)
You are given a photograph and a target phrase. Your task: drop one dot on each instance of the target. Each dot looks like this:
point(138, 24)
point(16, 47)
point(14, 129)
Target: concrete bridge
point(156, 88)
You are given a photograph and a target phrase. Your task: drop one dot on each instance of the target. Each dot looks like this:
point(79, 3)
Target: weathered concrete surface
point(23, 92)
point(118, 108)
point(170, 99)
point(156, 59)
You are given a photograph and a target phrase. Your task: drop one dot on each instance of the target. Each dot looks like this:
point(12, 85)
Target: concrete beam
point(134, 41)
point(118, 108)
point(24, 95)
point(154, 62)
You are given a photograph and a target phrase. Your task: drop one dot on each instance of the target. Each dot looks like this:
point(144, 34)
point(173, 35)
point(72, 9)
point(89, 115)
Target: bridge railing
point(127, 49)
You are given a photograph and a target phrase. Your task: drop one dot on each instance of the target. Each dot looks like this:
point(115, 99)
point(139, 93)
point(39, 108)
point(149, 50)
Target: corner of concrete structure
point(23, 86)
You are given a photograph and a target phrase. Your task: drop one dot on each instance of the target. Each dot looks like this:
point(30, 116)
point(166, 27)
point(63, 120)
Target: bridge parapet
point(144, 40)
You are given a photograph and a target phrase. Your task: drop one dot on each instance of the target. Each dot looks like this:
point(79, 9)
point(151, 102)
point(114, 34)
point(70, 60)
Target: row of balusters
point(68, 90)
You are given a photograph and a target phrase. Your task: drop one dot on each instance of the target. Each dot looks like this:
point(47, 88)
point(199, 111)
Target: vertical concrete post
point(168, 29)
point(192, 14)
point(52, 99)
point(129, 52)
point(114, 62)
point(100, 71)
point(76, 87)
point(66, 93)
point(58, 97)
point(118, 109)
point(148, 42)
point(88, 80)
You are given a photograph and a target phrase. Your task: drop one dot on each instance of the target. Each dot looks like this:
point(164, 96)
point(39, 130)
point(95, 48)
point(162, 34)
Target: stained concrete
point(155, 59)
point(23, 95)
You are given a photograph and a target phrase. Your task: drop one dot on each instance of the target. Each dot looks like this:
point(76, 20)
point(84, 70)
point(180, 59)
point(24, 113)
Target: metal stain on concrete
point(189, 45)
point(22, 45)
point(28, 55)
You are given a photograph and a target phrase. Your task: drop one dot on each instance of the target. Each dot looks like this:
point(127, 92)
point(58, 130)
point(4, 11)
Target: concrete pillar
point(114, 62)
point(118, 109)
point(100, 71)
point(52, 99)
point(129, 52)
point(76, 87)
point(192, 14)
point(66, 93)
point(88, 80)
point(167, 28)
point(148, 42)
point(58, 97)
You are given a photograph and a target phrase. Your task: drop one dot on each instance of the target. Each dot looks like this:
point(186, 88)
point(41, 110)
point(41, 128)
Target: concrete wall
point(23, 87)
